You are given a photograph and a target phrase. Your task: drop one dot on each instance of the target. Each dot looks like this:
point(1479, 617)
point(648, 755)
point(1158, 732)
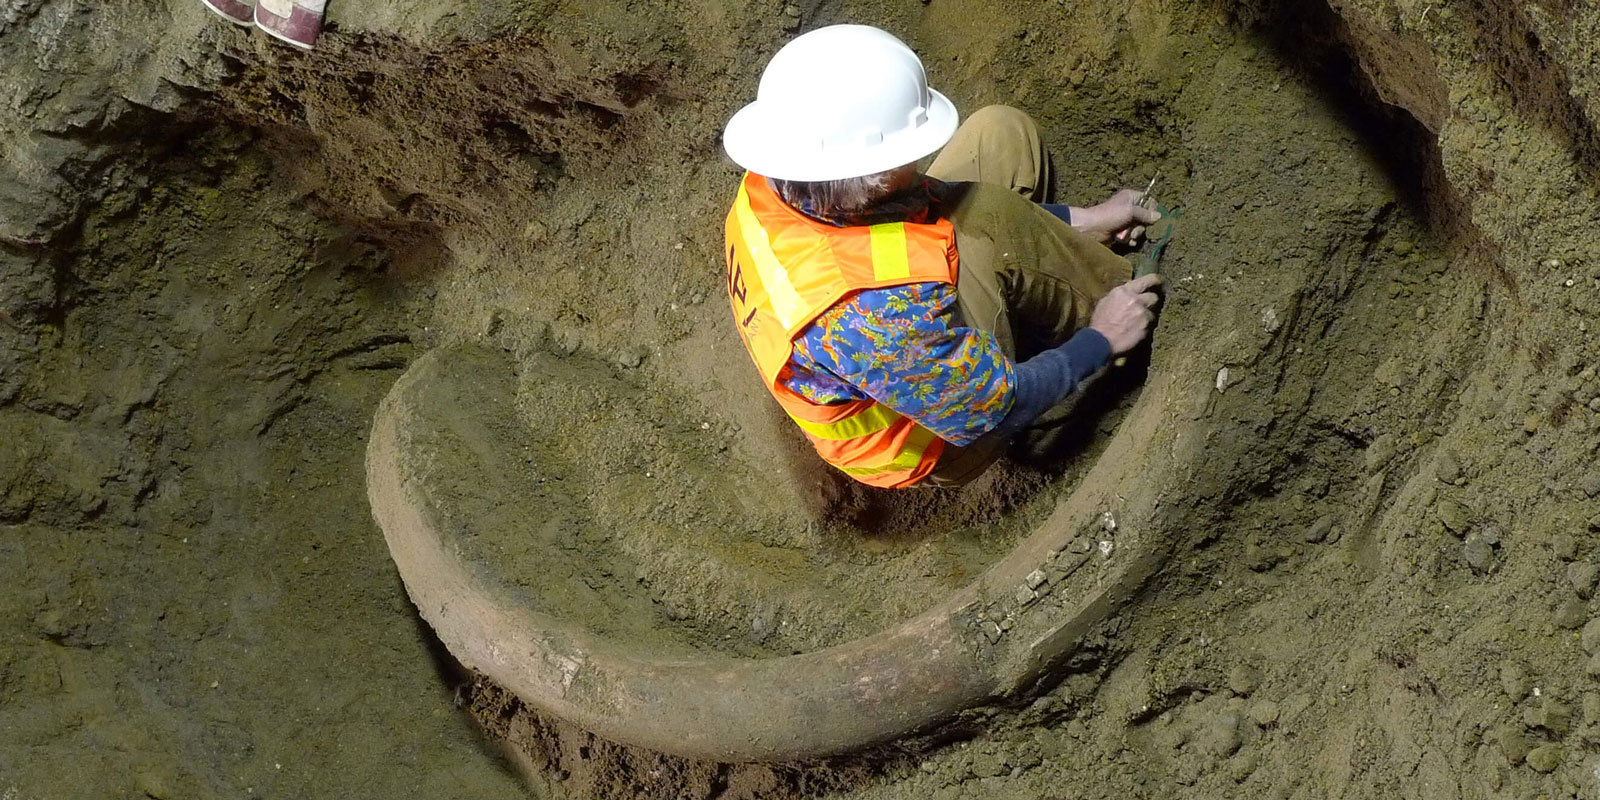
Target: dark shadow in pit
point(543, 749)
point(405, 244)
point(904, 517)
point(546, 749)
point(1062, 439)
point(1531, 81)
point(449, 671)
point(1315, 44)
point(460, 681)
point(1095, 408)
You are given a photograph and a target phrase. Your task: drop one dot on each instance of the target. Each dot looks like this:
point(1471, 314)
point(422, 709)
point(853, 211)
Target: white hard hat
point(839, 102)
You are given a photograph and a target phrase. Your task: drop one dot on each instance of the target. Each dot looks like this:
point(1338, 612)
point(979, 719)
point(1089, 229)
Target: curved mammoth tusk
point(992, 637)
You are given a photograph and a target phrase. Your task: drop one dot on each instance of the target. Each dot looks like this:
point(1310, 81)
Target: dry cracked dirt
point(1373, 563)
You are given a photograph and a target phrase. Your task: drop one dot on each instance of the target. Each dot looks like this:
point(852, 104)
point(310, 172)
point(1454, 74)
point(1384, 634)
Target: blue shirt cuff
point(1089, 350)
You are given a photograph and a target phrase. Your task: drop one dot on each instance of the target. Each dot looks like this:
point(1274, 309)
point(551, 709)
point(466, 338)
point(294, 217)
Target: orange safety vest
point(784, 270)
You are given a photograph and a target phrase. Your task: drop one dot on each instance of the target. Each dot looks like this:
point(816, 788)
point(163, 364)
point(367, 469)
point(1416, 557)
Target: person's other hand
point(1121, 214)
point(1124, 315)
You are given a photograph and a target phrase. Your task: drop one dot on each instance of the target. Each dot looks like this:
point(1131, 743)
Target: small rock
point(1320, 529)
point(1592, 668)
point(761, 624)
point(563, 344)
point(1479, 554)
point(1571, 614)
point(1259, 557)
point(1024, 760)
point(1447, 468)
point(1453, 515)
point(1513, 743)
point(1380, 452)
point(791, 18)
point(1553, 716)
point(1514, 681)
point(492, 323)
point(1264, 713)
point(1530, 424)
point(1531, 717)
point(1241, 768)
point(1544, 758)
point(1221, 737)
point(1044, 704)
point(153, 784)
point(1564, 546)
point(1173, 737)
point(1495, 777)
point(1594, 405)
point(1591, 708)
point(1054, 744)
point(1243, 679)
point(989, 765)
point(1590, 484)
point(632, 358)
point(1590, 637)
point(1491, 534)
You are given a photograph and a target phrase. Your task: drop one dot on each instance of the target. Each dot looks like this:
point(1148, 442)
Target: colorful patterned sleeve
point(898, 346)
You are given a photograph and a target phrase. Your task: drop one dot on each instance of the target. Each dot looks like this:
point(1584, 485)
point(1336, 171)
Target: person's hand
point(1121, 214)
point(1124, 315)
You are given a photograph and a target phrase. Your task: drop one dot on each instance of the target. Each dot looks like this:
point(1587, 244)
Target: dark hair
point(832, 198)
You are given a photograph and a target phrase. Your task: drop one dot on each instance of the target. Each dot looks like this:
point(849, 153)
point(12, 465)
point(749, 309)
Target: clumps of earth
point(217, 255)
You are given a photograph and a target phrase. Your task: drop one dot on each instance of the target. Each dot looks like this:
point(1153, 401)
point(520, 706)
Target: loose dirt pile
point(216, 255)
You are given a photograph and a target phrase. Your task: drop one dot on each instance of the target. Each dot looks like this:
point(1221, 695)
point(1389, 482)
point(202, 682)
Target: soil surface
point(217, 254)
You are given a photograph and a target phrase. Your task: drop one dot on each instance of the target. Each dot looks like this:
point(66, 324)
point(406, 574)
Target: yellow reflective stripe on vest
point(908, 459)
point(890, 260)
point(774, 278)
point(875, 418)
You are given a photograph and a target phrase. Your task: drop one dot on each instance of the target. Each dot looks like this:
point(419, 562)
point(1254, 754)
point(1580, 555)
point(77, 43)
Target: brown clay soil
point(218, 254)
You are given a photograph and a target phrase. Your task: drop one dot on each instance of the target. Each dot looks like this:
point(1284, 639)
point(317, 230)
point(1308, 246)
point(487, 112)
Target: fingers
point(1123, 218)
point(1145, 215)
point(1144, 284)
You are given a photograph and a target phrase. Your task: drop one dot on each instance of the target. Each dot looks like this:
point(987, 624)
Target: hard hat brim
point(759, 142)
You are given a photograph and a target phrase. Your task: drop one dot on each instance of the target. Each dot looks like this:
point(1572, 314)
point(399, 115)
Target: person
point(913, 323)
point(297, 22)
